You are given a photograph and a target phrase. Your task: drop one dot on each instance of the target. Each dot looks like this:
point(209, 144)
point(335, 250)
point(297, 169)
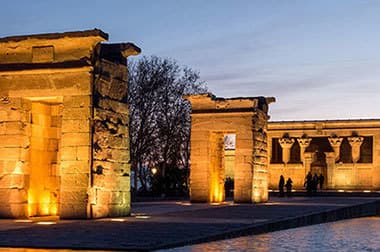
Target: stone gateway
point(64, 141)
point(228, 141)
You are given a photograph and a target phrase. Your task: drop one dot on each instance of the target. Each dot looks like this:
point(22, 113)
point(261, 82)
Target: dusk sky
point(320, 59)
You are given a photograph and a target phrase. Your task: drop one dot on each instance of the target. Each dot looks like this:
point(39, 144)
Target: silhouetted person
point(309, 183)
point(315, 183)
point(321, 180)
point(281, 184)
point(288, 186)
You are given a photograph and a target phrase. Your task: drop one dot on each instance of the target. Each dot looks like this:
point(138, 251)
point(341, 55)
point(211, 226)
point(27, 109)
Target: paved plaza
point(165, 224)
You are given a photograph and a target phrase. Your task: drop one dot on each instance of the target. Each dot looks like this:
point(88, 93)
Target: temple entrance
point(229, 164)
point(45, 131)
point(222, 163)
point(218, 167)
point(319, 166)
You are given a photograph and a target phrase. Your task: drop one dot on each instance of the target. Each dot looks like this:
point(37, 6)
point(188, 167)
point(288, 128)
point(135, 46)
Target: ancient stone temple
point(345, 152)
point(228, 140)
point(64, 144)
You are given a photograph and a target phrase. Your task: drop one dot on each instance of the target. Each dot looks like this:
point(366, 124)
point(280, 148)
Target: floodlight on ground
point(118, 220)
point(46, 223)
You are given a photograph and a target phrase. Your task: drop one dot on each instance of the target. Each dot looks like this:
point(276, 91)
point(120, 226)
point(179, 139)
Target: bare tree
point(160, 122)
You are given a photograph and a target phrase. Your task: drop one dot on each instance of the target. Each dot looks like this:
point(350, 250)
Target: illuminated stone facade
point(64, 144)
point(346, 152)
point(228, 139)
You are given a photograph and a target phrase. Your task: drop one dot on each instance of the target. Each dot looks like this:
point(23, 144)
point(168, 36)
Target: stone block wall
point(75, 155)
point(212, 118)
point(64, 145)
point(14, 157)
point(111, 167)
point(260, 158)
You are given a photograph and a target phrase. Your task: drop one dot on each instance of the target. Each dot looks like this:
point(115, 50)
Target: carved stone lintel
point(286, 144)
point(355, 143)
point(335, 143)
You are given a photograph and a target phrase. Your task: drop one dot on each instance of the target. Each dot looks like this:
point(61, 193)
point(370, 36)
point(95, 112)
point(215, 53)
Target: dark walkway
point(156, 225)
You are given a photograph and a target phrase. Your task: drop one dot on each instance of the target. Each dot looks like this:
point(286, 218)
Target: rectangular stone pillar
point(330, 162)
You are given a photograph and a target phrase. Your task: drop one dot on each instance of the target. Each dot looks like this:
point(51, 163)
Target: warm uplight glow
point(216, 190)
point(340, 190)
point(117, 220)
point(366, 191)
point(43, 190)
point(183, 203)
point(272, 203)
point(46, 223)
point(256, 195)
point(142, 217)
point(215, 203)
point(18, 168)
point(41, 204)
point(24, 221)
point(217, 195)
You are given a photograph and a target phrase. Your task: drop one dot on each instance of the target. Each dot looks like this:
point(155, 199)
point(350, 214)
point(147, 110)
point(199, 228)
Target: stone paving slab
point(157, 225)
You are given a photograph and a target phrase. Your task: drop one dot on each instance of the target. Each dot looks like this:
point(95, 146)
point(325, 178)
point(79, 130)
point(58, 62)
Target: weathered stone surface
point(111, 168)
point(212, 118)
point(112, 181)
point(76, 101)
point(77, 126)
point(74, 167)
point(73, 196)
point(73, 211)
point(75, 139)
point(108, 117)
point(121, 155)
point(62, 106)
point(113, 105)
point(74, 180)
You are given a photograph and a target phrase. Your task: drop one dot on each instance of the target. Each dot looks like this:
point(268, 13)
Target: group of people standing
point(311, 184)
point(288, 186)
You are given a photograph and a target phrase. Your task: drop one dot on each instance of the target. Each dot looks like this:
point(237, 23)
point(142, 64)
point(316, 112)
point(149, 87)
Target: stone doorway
point(216, 124)
point(319, 165)
point(44, 138)
point(222, 165)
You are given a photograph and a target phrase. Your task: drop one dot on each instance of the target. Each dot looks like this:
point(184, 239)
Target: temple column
point(304, 143)
point(308, 159)
point(355, 143)
point(335, 143)
point(330, 162)
point(286, 145)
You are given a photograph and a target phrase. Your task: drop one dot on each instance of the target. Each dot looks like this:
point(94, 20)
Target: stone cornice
point(73, 34)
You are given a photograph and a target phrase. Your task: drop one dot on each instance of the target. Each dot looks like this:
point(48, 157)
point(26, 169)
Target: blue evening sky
point(320, 59)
